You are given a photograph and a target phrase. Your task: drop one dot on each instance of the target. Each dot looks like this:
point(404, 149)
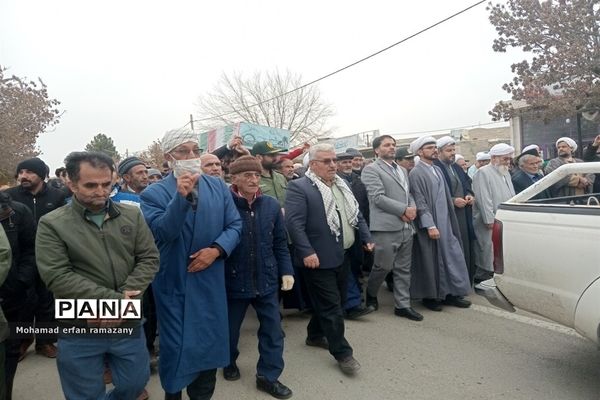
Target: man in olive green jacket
point(94, 248)
point(272, 183)
point(5, 263)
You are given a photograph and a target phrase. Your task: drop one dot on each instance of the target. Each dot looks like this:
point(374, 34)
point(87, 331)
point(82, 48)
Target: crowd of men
point(203, 236)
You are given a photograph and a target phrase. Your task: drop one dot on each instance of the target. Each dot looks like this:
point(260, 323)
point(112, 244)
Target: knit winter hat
point(35, 165)
point(245, 164)
point(127, 164)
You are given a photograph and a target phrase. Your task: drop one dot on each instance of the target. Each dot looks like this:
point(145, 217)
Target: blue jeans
point(270, 335)
point(80, 363)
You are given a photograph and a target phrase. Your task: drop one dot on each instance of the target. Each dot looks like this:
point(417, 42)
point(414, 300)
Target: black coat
point(307, 226)
point(46, 200)
point(590, 155)
point(360, 192)
point(466, 183)
point(20, 230)
point(522, 181)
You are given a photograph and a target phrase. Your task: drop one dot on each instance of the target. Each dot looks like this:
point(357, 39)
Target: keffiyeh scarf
point(350, 203)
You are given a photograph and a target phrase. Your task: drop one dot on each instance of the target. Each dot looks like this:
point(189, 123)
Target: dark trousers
point(327, 290)
point(151, 324)
point(2, 382)
point(270, 336)
point(40, 306)
point(298, 296)
point(11, 351)
point(202, 388)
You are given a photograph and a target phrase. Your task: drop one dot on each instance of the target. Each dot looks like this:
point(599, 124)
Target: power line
point(349, 65)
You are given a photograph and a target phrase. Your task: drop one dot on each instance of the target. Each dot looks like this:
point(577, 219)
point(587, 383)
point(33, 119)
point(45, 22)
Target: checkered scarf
point(350, 203)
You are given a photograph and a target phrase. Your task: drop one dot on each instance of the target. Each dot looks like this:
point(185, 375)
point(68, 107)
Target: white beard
point(503, 169)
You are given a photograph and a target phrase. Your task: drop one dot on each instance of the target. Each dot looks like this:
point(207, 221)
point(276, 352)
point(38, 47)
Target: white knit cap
point(459, 157)
point(572, 144)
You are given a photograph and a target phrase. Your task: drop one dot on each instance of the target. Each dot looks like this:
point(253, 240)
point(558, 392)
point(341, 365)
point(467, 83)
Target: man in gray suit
point(392, 210)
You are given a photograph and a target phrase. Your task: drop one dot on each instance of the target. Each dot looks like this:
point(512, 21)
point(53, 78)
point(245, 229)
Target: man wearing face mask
point(492, 185)
point(196, 226)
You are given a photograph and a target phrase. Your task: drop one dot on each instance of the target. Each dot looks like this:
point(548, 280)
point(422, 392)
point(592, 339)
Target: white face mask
point(192, 166)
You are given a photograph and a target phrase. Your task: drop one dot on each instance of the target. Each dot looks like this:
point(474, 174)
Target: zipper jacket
point(79, 260)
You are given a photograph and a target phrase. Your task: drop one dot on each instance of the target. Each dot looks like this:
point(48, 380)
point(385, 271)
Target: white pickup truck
point(547, 255)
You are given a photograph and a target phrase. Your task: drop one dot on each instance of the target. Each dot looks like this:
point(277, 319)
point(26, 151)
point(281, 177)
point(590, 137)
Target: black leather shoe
point(433, 304)
point(231, 372)
point(372, 301)
point(318, 342)
point(457, 301)
point(275, 389)
point(358, 311)
point(409, 313)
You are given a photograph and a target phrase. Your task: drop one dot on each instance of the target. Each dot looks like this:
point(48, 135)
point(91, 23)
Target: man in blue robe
point(196, 226)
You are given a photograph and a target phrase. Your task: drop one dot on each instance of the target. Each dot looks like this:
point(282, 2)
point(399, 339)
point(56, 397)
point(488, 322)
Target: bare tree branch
point(263, 99)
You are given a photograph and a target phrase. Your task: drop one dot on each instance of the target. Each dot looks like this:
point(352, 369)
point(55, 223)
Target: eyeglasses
point(184, 152)
point(327, 160)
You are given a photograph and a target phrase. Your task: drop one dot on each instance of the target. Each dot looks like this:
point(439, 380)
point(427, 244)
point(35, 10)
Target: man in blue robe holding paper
point(196, 226)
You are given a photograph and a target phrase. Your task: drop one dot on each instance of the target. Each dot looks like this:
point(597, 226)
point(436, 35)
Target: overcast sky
point(134, 69)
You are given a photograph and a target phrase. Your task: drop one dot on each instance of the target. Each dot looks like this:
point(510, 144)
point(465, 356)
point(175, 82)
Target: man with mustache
point(272, 183)
point(40, 198)
point(574, 184)
point(440, 274)
point(492, 185)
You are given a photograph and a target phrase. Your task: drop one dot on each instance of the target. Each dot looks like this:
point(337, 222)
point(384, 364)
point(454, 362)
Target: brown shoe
point(47, 350)
point(144, 395)
point(25, 343)
point(107, 376)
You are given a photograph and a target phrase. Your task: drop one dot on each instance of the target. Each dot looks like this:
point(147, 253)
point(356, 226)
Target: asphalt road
point(478, 353)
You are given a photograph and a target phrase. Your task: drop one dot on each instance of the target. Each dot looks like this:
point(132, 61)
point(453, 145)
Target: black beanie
point(35, 165)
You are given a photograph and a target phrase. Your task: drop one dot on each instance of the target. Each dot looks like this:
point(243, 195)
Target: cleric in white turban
point(445, 141)
point(572, 144)
point(482, 156)
point(501, 149)
point(492, 185)
point(574, 184)
point(177, 137)
point(420, 142)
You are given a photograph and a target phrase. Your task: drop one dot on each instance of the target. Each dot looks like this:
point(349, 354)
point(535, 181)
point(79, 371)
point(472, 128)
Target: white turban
point(531, 147)
point(459, 157)
point(445, 141)
point(572, 144)
point(482, 156)
point(177, 137)
point(305, 160)
point(420, 142)
point(501, 149)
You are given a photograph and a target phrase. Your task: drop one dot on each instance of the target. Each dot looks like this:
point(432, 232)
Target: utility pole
point(192, 122)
